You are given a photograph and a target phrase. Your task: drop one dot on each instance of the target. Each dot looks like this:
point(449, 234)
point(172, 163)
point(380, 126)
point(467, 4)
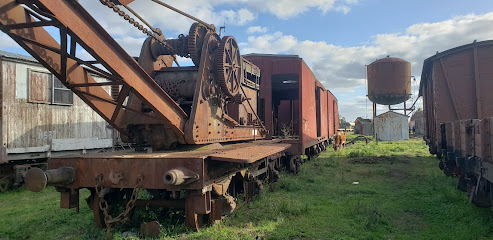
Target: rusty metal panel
point(279, 66)
point(250, 154)
point(93, 35)
point(336, 114)
point(391, 126)
point(324, 113)
point(308, 105)
point(128, 168)
point(455, 85)
point(128, 165)
point(333, 114)
point(484, 75)
point(275, 67)
point(363, 126)
point(272, 65)
point(389, 81)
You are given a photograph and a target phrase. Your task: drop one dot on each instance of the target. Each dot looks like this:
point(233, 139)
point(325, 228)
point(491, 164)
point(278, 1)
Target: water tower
point(389, 83)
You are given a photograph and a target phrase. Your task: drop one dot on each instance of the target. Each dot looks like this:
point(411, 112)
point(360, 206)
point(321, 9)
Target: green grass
point(402, 194)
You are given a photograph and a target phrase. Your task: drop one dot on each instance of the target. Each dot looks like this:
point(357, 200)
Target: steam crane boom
point(152, 102)
point(24, 25)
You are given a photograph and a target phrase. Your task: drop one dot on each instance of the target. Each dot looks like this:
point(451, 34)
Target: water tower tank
point(389, 81)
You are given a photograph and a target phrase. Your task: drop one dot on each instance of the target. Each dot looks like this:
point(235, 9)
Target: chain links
point(141, 28)
point(103, 204)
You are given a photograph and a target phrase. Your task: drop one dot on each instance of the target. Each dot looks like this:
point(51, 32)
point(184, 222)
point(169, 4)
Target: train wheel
point(193, 220)
point(274, 174)
point(6, 183)
point(324, 146)
point(294, 164)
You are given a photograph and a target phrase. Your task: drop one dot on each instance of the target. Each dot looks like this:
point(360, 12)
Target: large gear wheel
point(228, 66)
point(196, 38)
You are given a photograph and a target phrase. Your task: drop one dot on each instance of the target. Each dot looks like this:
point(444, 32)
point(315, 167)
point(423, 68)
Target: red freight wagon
point(293, 104)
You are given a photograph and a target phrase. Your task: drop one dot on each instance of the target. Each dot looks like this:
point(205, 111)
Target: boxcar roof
point(270, 55)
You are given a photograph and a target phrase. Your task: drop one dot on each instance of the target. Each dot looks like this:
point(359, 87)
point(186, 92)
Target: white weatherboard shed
point(391, 126)
point(40, 118)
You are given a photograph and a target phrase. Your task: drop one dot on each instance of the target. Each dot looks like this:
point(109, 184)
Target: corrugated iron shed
point(9, 55)
point(363, 126)
point(392, 126)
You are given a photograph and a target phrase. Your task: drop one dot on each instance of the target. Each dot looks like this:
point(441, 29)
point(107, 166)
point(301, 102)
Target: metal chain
point(103, 204)
point(141, 28)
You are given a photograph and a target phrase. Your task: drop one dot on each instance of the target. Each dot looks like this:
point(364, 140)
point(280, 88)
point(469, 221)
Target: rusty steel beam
point(477, 83)
point(42, 46)
point(93, 84)
point(21, 24)
point(106, 50)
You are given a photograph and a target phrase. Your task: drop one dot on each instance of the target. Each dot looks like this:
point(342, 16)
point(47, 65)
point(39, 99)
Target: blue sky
point(337, 38)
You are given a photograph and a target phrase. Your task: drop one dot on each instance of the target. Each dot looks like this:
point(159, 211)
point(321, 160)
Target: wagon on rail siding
point(294, 104)
point(456, 88)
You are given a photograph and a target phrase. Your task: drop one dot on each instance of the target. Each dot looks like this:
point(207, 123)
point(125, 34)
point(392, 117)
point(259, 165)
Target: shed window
point(61, 94)
point(44, 87)
point(39, 87)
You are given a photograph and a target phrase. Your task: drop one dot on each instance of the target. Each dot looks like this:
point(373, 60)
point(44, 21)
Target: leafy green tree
point(343, 123)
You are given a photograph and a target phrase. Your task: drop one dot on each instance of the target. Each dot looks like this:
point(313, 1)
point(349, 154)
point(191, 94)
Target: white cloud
point(233, 12)
point(257, 29)
point(156, 15)
point(342, 69)
point(7, 42)
point(270, 43)
point(343, 8)
point(285, 9)
point(245, 16)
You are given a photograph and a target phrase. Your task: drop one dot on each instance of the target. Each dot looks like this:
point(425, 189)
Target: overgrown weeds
point(393, 190)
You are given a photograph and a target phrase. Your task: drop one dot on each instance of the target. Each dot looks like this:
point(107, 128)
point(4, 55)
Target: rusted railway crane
point(152, 104)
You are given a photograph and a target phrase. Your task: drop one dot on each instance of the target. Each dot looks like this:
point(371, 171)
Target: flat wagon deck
point(211, 179)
